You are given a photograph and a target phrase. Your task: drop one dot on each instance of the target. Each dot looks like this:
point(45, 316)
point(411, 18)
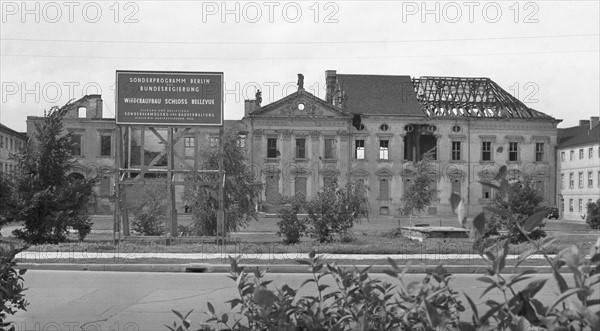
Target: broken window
point(189, 146)
point(75, 145)
point(384, 149)
point(486, 192)
point(513, 151)
point(105, 145)
point(456, 151)
point(300, 148)
point(241, 141)
point(418, 140)
point(214, 141)
point(359, 149)
point(486, 151)
point(329, 148)
point(539, 152)
point(271, 148)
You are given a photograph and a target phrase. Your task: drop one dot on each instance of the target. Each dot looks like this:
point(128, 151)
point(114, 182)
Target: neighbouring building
point(578, 168)
point(372, 128)
point(10, 142)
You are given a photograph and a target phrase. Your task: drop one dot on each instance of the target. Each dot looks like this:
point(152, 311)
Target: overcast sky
point(546, 53)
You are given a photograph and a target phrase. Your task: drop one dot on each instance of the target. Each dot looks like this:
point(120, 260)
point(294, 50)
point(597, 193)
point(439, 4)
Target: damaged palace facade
point(372, 128)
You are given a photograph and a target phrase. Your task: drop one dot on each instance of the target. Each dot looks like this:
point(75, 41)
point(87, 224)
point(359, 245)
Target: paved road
point(83, 300)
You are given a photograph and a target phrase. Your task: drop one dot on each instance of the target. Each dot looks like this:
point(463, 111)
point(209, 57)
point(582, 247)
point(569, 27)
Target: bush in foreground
point(593, 215)
point(11, 285)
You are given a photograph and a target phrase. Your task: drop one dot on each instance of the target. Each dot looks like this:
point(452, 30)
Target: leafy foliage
point(420, 193)
point(334, 211)
point(46, 199)
point(11, 285)
point(355, 302)
point(5, 198)
point(290, 226)
point(521, 201)
point(593, 215)
point(241, 190)
point(150, 214)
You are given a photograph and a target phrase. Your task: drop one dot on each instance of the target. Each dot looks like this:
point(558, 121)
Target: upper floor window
point(76, 145)
point(590, 179)
point(539, 152)
point(359, 149)
point(571, 180)
point(572, 155)
point(384, 127)
point(513, 151)
point(241, 141)
point(562, 156)
point(105, 145)
point(598, 179)
point(329, 148)
point(456, 151)
point(581, 179)
point(189, 146)
point(581, 153)
point(590, 153)
point(271, 148)
point(562, 180)
point(300, 148)
point(486, 151)
point(1, 141)
point(214, 141)
point(384, 149)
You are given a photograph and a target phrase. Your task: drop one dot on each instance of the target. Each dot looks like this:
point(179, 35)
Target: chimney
point(584, 122)
point(594, 121)
point(249, 107)
point(330, 83)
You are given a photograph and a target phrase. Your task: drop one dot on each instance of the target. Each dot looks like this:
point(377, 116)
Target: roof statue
point(258, 96)
point(300, 82)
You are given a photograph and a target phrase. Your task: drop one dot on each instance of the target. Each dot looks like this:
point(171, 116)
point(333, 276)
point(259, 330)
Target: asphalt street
point(84, 300)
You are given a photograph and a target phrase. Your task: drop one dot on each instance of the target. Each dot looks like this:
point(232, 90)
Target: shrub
point(290, 226)
point(11, 285)
point(334, 211)
point(150, 215)
point(593, 215)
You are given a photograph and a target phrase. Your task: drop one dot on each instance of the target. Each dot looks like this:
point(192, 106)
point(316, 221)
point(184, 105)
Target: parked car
point(553, 213)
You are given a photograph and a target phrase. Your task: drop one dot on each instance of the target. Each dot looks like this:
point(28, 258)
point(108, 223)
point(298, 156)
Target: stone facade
point(578, 169)
point(377, 140)
point(10, 142)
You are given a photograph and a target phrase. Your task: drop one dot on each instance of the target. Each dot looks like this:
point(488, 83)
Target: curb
point(225, 268)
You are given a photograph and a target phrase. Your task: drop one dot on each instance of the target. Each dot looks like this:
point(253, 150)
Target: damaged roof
point(378, 95)
point(462, 97)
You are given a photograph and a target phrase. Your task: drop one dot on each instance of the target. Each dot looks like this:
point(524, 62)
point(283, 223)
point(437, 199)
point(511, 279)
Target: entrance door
point(300, 186)
point(456, 185)
point(272, 189)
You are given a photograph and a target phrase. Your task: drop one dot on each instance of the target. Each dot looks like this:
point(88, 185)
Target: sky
point(546, 53)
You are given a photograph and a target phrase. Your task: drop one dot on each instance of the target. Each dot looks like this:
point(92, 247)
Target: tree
point(420, 192)
point(46, 198)
point(5, 198)
point(521, 201)
point(334, 211)
point(241, 190)
point(593, 214)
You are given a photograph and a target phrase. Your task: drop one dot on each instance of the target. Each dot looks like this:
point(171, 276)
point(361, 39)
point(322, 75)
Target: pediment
point(300, 104)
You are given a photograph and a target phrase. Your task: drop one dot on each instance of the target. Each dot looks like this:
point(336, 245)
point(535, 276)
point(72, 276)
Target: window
point(105, 145)
point(571, 181)
point(486, 151)
point(590, 153)
point(384, 189)
point(1, 165)
point(105, 186)
point(189, 146)
point(1, 141)
point(456, 151)
point(539, 152)
point(384, 149)
point(11, 144)
point(581, 153)
point(329, 181)
point(214, 141)
point(562, 156)
point(81, 112)
point(513, 151)
point(329, 148)
point(580, 205)
point(359, 149)
point(570, 205)
point(562, 180)
point(384, 127)
point(486, 192)
point(590, 179)
point(271, 148)
point(76, 145)
point(572, 155)
point(300, 148)
point(598, 179)
point(580, 179)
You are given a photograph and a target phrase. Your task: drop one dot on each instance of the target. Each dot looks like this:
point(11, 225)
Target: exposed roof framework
point(469, 97)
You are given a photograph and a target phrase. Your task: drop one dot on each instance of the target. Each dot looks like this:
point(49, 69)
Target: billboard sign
point(169, 98)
